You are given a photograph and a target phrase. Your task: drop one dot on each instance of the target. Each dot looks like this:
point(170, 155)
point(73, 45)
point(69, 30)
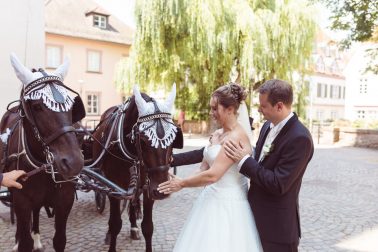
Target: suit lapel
point(287, 126)
point(265, 130)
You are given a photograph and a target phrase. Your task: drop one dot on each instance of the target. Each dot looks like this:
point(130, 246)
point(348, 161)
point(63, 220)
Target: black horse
point(136, 141)
point(38, 137)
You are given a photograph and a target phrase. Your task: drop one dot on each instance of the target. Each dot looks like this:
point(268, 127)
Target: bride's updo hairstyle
point(230, 94)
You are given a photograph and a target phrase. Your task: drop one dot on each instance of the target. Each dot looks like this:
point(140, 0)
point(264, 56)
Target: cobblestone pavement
point(338, 204)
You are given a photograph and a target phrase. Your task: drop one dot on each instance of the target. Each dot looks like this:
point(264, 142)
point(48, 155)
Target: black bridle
point(25, 112)
point(136, 137)
point(117, 119)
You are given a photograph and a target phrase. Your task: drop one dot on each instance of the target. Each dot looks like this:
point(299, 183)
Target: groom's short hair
point(278, 91)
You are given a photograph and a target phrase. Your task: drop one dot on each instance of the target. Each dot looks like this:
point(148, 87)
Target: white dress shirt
point(273, 133)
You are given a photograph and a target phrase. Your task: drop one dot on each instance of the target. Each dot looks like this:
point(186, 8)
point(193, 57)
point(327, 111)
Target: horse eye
point(37, 107)
point(144, 142)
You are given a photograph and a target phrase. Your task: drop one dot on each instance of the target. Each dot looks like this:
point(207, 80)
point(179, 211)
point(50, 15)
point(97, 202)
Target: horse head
point(49, 110)
point(155, 136)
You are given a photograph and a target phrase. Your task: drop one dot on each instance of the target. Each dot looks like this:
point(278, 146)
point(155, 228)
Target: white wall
point(22, 32)
point(323, 108)
point(356, 99)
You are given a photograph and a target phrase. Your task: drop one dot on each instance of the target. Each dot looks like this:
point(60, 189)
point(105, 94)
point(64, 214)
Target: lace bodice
point(232, 178)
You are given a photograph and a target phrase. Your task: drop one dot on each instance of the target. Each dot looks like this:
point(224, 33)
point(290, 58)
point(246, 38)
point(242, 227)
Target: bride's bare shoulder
point(238, 134)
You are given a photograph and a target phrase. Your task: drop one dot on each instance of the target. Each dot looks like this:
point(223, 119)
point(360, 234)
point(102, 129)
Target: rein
point(136, 161)
point(118, 117)
point(35, 171)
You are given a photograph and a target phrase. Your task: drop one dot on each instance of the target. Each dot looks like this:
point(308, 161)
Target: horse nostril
point(155, 192)
point(65, 163)
point(68, 167)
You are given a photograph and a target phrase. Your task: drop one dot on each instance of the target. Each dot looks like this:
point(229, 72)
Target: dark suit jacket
point(276, 181)
point(187, 158)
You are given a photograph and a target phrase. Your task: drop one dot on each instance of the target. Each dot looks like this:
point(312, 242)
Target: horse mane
point(9, 115)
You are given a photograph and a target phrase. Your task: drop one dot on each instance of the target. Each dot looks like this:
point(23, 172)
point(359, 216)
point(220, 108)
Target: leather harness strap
point(58, 133)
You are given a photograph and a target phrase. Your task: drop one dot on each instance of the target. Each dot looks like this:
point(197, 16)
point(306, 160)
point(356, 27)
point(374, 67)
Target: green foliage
point(302, 91)
point(372, 54)
point(195, 43)
point(359, 18)
point(363, 124)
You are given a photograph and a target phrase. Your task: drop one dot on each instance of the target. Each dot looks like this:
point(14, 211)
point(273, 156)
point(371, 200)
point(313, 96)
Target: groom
point(283, 150)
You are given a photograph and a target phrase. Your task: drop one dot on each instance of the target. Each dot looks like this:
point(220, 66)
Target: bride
point(221, 218)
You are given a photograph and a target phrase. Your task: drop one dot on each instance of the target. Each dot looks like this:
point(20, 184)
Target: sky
point(323, 15)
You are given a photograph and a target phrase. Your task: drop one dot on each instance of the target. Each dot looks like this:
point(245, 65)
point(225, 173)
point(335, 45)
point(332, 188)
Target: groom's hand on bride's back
point(236, 151)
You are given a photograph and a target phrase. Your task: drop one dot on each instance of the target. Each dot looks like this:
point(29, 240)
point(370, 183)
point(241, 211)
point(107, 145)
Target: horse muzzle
point(156, 195)
point(156, 176)
point(70, 167)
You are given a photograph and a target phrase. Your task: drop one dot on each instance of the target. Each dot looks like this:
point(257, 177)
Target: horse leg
point(134, 232)
point(35, 231)
point(62, 206)
point(115, 222)
point(147, 224)
point(23, 211)
point(15, 247)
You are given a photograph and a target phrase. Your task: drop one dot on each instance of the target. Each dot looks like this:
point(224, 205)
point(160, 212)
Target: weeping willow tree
point(196, 43)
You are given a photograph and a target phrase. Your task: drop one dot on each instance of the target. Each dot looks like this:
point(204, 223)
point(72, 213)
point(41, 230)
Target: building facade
point(327, 83)
point(94, 41)
point(362, 86)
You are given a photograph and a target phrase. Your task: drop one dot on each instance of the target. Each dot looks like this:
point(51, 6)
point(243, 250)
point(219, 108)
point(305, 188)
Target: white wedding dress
point(221, 219)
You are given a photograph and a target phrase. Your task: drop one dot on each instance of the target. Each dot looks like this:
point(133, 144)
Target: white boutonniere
point(267, 149)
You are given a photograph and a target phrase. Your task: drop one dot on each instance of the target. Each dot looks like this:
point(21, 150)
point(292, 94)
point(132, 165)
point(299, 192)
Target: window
point(319, 115)
point(335, 91)
point(360, 114)
point(372, 114)
point(93, 61)
point(53, 56)
point(325, 90)
point(319, 90)
point(343, 92)
point(328, 51)
point(334, 68)
point(93, 104)
point(320, 66)
point(99, 21)
point(363, 86)
point(322, 90)
point(334, 115)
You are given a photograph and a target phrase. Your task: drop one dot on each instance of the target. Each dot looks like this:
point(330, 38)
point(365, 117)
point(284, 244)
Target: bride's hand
point(235, 151)
point(170, 186)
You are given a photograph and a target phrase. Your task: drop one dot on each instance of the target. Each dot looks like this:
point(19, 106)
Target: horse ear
point(62, 70)
point(171, 98)
point(23, 73)
point(140, 102)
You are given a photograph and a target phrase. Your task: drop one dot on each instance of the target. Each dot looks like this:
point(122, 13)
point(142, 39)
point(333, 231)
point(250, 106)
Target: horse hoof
point(15, 248)
point(107, 239)
point(39, 250)
point(134, 234)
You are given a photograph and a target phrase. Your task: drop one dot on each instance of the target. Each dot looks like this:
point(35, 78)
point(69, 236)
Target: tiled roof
point(74, 18)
